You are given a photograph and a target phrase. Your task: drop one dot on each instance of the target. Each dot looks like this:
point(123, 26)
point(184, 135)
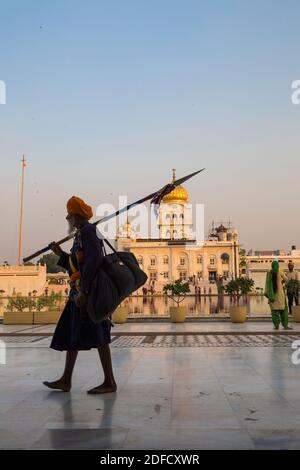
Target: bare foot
point(104, 388)
point(58, 385)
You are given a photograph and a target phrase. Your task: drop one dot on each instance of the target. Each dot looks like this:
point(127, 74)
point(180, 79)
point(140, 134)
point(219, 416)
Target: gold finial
point(174, 175)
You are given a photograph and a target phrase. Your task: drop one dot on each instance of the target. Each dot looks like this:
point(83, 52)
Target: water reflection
point(158, 306)
point(196, 306)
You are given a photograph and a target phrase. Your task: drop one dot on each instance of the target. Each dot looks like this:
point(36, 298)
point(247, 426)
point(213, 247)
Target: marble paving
point(143, 328)
point(169, 341)
point(188, 397)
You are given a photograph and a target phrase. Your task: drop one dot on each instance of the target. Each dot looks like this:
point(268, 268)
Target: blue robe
point(75, 331)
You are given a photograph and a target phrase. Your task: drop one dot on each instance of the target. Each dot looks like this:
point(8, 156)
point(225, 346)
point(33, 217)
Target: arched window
point(140, 259)
point(199, 259)
point(225, 258)
point(153, 261)
point(212, 260)
point(165, 260)
point(168, 233)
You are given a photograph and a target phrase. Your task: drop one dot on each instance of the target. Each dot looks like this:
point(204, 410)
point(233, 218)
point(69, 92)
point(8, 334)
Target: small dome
point(127, 227)
point(221, 228)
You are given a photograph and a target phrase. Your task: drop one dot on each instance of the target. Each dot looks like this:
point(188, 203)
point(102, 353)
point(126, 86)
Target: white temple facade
point(175, 254)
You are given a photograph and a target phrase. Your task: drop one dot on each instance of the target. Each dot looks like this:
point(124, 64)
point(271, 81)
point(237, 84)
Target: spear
point(156, 197)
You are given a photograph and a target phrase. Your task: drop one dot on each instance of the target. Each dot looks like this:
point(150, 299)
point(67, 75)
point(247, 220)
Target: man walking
point(292, 293)
point(75, 331)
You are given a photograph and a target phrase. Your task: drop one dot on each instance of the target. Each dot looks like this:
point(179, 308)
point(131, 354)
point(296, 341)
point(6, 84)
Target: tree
point(41, 303)
point(177, 290)
point(239, 287)
point(243, 261)
point(17, 303)
point(50, 261)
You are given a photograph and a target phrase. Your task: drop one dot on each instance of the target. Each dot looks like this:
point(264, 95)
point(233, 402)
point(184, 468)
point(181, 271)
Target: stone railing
point(21, 269)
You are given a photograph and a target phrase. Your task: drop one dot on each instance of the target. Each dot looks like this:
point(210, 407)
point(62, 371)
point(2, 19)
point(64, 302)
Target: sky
point(104, 98)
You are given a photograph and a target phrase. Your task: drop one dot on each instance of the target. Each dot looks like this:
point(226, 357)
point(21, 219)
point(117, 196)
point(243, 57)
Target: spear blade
point(185, 178)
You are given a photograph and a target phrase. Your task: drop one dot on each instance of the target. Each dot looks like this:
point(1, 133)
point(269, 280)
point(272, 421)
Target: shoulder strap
point(108, 243)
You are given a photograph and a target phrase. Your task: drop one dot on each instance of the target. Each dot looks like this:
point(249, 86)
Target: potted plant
point(15, 313)
point(236, 289)
point(46, 310)
point(177, 291)
point(120, 314)
point(293, 287)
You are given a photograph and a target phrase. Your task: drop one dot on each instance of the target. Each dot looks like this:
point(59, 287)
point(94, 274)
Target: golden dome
point(178, 195)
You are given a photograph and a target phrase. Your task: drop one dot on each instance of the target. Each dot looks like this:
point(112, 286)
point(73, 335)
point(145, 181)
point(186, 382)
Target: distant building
point(175, 254)
point(259, 262)
point(22, 279)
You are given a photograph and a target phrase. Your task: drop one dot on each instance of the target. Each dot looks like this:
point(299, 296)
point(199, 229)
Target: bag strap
point(114, 251)
point(109, 244)
point(111, 247)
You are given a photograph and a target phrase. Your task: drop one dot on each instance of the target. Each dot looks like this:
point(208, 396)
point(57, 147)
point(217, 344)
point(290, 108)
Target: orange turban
point(75, 205)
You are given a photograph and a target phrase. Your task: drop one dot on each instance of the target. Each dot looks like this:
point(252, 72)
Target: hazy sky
point(105, 97)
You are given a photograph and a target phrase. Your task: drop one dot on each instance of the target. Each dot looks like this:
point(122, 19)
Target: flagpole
point(21, 210)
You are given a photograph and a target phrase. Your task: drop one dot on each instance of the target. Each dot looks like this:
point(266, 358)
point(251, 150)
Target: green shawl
point(269, 291)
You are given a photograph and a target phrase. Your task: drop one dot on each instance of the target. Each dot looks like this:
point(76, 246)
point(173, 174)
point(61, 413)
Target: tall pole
point(235, 260)
point(21, 210)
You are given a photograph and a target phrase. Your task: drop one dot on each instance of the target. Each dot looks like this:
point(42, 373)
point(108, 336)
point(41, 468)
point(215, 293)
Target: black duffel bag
point(117, 277)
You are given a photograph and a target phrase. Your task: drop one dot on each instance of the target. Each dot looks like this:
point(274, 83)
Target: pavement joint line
point(170, 333)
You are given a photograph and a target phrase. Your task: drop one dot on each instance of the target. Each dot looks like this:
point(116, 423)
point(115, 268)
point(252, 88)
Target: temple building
point(258, 263)
point(175, 254)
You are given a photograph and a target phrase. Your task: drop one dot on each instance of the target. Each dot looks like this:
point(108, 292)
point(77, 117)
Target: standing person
point(75, 331)
point(274, 291)
point(292, 294)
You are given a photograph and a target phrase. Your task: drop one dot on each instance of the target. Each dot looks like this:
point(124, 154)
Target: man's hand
point(55, 248)
point(80, 299)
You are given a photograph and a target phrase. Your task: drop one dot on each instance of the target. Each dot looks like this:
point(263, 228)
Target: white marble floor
point(139, 327)
point(176, 398)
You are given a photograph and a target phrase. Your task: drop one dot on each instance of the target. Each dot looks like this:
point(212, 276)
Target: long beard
point(71, 227)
